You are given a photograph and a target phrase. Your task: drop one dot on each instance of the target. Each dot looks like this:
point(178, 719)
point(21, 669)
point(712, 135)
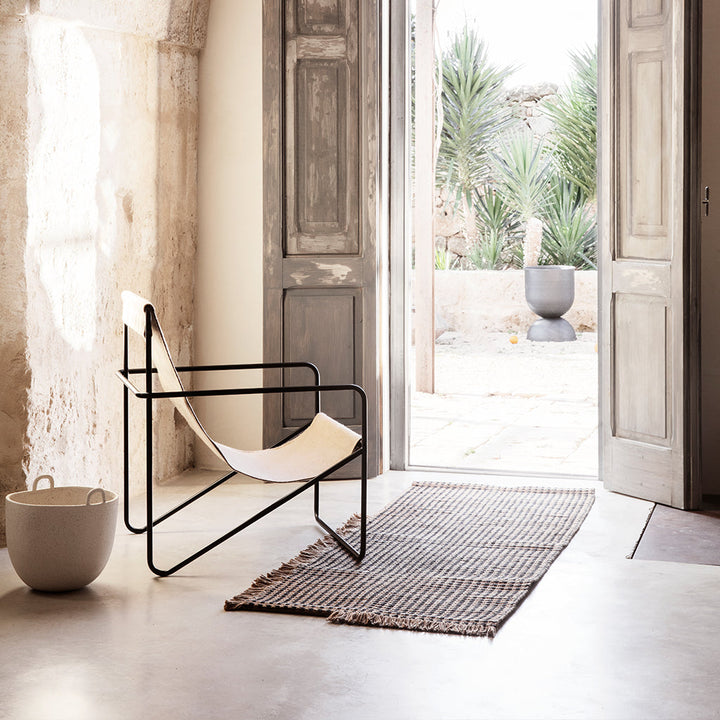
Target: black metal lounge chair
point(309, 455)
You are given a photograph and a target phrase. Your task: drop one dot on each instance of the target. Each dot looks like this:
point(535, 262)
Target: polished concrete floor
point(599, 637)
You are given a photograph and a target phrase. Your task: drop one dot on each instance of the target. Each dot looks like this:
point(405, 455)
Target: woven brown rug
point(443, 557)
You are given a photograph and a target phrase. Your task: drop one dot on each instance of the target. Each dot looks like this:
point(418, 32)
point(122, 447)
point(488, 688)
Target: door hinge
point(706, 201)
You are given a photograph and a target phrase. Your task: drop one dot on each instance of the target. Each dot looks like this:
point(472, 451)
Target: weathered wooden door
point(649, 215)
point(321, 144)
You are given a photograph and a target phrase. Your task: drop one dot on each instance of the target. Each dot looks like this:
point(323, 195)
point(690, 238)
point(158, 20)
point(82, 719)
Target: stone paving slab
point(524, 407)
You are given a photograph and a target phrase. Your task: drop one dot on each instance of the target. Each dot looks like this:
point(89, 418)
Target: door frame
point(692, 261)
point(399, 229)
point(399, 325)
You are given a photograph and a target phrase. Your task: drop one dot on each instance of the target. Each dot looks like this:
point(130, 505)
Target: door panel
point(320, 202)
point(640, 360)
point(319, 320)
point(320, 17)
point(322, 145)
point(647, 260)
point(647, 137)
point(646, 13)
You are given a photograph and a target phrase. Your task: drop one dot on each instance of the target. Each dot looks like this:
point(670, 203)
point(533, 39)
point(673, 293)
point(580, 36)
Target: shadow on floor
point(681, 536)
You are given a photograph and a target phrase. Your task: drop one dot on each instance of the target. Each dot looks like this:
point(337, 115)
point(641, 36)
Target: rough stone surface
point(177, 225)
point(8, 8)
point(526, 104)
point(14, 377)
point(183, 22)
point(109, 167)
point(98, 155)
point(528, 95)
point(187, 22)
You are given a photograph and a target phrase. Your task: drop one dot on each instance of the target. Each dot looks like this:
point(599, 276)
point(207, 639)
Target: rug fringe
point(478, 629)
point(304, 557)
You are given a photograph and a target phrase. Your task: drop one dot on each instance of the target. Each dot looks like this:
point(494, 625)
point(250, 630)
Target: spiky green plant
point(473, 112)
point(522, 169)
point(570, 228)
point(498, 230)
point(488, 251)
point(574, 115)
point(445, 260)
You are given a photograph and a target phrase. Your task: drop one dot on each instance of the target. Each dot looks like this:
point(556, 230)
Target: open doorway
point(512, 156)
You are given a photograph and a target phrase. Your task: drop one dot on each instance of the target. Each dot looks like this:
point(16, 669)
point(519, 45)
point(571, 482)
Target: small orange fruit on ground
point(514, 339)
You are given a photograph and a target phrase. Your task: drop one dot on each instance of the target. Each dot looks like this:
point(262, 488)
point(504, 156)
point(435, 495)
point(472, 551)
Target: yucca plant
point(473, 113)
point(498, 230)
point(522, 169)
point(570, 228)
point(574, 115)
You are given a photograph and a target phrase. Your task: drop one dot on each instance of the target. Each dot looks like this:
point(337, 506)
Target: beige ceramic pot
point(60, 538)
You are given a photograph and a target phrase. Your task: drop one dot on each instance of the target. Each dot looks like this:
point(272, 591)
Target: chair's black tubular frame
point(149, 395)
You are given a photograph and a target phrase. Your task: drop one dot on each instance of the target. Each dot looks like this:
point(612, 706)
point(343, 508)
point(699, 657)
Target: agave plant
point(570, 232)
point(473, 113)
point(574, 115)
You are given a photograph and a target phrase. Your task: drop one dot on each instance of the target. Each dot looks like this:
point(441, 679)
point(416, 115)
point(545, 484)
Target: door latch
point(706, 201)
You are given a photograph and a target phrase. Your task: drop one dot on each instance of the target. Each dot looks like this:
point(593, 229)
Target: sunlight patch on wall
point(63, 170)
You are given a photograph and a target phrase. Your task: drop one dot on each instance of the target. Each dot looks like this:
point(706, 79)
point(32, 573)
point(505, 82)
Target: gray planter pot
point(550, 293)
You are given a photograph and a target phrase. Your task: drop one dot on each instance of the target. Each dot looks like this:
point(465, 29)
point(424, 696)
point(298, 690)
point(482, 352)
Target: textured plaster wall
point(14, 375)
point(101, 215)
point(98, 157)
point(228, 294)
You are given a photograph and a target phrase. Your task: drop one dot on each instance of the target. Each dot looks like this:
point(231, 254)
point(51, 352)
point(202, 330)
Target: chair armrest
point(221, 392)
point(252, 366)
point(218, 392)
point(237, 366)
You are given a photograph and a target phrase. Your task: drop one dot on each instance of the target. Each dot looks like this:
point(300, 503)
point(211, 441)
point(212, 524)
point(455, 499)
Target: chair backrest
point(135, 314)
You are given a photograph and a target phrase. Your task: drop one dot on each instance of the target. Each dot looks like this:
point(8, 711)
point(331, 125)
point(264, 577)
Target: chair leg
point(359, 553)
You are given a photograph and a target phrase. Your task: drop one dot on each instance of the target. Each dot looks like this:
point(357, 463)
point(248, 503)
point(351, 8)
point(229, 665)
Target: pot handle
point(42, 477)
point(92, 492)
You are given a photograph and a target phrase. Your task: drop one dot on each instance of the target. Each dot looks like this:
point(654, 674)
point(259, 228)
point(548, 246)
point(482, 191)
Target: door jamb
point(691, 261)
point(399, 398)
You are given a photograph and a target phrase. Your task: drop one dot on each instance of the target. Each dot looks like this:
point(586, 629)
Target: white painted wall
point(228, 291)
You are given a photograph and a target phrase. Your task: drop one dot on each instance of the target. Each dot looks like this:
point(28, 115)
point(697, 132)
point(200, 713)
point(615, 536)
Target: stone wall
point(14, 374)
point(100, 161)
